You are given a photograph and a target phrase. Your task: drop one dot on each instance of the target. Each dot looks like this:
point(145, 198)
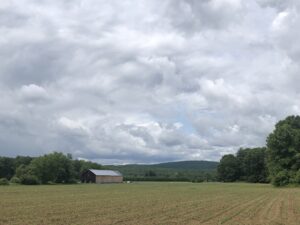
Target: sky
point(145, 81)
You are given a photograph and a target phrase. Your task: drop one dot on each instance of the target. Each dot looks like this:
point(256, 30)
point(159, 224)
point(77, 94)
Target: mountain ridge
point(170, 170)
point(185, 164)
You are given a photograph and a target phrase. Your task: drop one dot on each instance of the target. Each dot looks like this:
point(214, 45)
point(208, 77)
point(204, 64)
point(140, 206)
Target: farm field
point(149, 203)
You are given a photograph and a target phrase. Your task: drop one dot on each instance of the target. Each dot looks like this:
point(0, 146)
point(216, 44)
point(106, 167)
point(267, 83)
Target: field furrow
point(246, 212)
point(228, 214)
point(150, 203)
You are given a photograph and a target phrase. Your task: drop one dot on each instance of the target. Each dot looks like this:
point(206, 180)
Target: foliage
point(15, 180)
point(22, 160)
point(189, 165)
point(6, 167)
point(229, 169)
point(297, 177)
point(172, 171)
point(281, 179)
point(161, 179)
point(51, 168)
point(80, 166)
point(4, 181)
point(150, 173)
point(29, 179)
point(283, 154)
point(252, 162)
point(73, 181)
point(59, 168)
point(248, 165)
point(55, 167)
point(198, 180)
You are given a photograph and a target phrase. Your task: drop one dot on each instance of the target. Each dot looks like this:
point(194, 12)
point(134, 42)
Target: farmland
point(149, 203)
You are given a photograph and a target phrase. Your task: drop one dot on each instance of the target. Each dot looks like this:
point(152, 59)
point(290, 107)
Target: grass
point(149, 203)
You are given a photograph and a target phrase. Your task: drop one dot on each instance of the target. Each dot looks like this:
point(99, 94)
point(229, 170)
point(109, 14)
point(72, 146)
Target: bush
point(29, 179)
point(51, 183)
point(73, 181)
point(4, 181)
point(297, 177)
point(198, 180)
point(15, 180)
point(281, 179)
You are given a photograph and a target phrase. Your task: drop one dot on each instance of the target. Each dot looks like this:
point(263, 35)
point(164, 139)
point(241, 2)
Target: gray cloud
point(145, 81)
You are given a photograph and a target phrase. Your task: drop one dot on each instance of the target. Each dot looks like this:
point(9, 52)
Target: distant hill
point(169, 170)
point(188, 165)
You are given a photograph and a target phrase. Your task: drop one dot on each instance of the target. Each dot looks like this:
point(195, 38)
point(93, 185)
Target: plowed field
point(149, 203)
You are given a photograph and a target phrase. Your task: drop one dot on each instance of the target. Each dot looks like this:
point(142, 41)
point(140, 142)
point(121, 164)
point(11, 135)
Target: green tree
point(22, 160)
point(80, 166)
point(7, 167)
point(283, 151)
point(15, 180)
point(22, 170)
point(150, 173)
point(55, 167)
point(228, 169)
point(252, 162)
point(29, 179)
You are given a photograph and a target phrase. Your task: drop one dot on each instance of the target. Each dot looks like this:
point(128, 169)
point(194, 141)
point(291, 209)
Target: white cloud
point(145, 81)
point(33, 92)
point(279, 21)
point(71, 124)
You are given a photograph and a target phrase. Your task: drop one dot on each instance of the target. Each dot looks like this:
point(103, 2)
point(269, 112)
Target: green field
point(149, 203)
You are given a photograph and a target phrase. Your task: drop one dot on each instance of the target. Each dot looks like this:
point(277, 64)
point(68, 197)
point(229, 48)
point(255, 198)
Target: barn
point(101, 176)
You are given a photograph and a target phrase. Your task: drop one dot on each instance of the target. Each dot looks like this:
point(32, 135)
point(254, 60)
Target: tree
point(22, 160)
point(54, 167)
point(80, 166)
point(23, 170)
point(228, 169)
point(283, 153)
point(6, 167)
point(29, 179)
point(252, 164)
point(150, 173)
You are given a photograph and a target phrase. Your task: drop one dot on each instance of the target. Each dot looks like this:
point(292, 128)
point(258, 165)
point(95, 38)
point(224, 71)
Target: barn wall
point(109, 179)
point(88, 177)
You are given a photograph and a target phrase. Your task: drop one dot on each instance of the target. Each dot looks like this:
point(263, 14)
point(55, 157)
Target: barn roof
point(106, 173)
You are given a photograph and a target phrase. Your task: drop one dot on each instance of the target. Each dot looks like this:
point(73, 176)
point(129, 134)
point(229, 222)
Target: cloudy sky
point(145, 81)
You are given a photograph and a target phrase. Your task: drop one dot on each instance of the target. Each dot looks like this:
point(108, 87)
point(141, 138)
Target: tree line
point(55, 167)
point(247, 165)
point(278, 162)
point(156, 174)
point(60, 168)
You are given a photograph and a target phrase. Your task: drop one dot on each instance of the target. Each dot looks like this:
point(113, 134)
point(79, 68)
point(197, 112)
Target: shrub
point(297, 177)
point(29, 179)
point(73, 181)
point(281, 179)
point(198, 180)
point(15, 180)
point(51, 183)
point(4, 181)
